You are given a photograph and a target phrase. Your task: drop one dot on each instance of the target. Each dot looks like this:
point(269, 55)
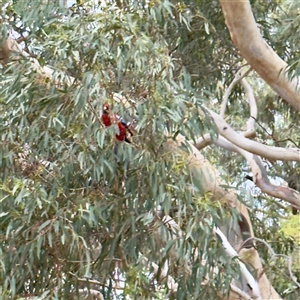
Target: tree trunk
point(247, 38)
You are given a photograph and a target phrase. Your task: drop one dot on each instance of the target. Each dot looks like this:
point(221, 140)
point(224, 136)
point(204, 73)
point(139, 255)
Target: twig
point(250, 132)
point(274, 255)
point(92, 281)
point(237, 78)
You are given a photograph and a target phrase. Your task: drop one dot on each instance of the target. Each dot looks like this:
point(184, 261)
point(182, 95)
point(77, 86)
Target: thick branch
point(10, 48)
point(251, 282)
point(272, 153)
point(250, 132)
point(247, 38)
point(262, 181)
point(243, 290)
point(206, 140)
point(274, 255)
point(259, 172)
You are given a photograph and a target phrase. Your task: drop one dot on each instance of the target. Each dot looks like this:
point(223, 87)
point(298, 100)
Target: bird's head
point(105, 107)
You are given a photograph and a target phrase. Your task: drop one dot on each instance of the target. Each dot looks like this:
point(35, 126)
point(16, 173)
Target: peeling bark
point(247, 38)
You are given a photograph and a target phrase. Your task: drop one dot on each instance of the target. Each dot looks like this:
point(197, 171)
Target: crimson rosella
point(108, 119)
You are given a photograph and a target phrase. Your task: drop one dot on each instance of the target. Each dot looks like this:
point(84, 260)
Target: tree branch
point(96, 294)
point(252, 285)
point(237, 78)
point(163, 275)
point(247, 38)
point(241, 293)
point(260, 178)
point(250, 132)
point(251, 282)
point(272, 153)
point(274, 255)
point(262, 181)
point(10, 47)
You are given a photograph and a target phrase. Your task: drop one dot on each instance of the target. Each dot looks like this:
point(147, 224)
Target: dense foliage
point(71, 208)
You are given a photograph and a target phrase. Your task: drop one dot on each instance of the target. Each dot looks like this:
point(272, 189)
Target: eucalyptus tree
point(165, 216)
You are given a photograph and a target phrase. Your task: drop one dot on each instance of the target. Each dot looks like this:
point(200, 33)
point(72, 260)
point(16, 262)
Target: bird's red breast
point(106, 120)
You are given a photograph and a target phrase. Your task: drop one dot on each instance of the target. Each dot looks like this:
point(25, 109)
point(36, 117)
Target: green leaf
point(45, 224)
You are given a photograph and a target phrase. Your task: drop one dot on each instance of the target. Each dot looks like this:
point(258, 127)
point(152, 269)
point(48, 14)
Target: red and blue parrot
point(108, 119)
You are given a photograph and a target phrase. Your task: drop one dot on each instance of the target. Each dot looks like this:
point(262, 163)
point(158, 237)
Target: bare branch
point(206, 140)
point(241, 293)
point(272, 153)
point(262, 181)
point(251, 282)
point(250, 132)
point(247, 38)
point(259, 172)
point(260, 176)
point(274, 255)
point(237, 78)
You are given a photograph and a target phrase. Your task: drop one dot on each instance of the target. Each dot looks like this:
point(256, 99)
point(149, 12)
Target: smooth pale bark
point(251, 258)
point(247, 38)
point(272, 153)
point(253, 288)
point(213, 184)
point(260, 177)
